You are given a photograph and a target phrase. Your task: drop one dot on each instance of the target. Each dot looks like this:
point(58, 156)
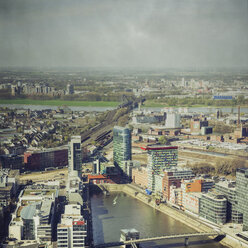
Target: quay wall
point(228, 241)
point(174, 213)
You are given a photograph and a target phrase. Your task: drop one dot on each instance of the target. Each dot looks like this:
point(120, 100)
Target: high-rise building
point(241, 194)
point(173, 120)
point(75, 157)
point(122, 146)
point(159, 158)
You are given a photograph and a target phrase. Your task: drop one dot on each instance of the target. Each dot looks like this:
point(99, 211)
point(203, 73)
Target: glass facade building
point(213, 207)
point(242, 196)
point(160, 158)
point(228, 189)
point(75, 157)
point(122, 142)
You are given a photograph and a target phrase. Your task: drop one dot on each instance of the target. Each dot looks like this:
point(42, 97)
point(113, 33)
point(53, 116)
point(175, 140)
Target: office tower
point(75, 157)
point(159, 158)
point(122, 146)
point(173, 120)
point(241, 194)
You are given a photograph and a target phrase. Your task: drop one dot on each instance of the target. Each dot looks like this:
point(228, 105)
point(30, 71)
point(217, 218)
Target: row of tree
point(223, 167)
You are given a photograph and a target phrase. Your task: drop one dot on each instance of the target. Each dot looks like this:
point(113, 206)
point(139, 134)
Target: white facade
point(72, 230)
point(75, 157)
point(37, 205)
point(173, 120)
point(159, 184)
point(191, 201)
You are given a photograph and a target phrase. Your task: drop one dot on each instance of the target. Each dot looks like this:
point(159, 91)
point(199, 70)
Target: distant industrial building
point(196, 125)
point(122, 146)
point(69, 89)
point(173, 120)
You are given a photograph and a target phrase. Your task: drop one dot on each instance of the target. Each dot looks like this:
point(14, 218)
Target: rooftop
point(28, 212)
point(158, 147)
point(36, 192)
point(215, 196)
point(75, 198)
point(227, 184)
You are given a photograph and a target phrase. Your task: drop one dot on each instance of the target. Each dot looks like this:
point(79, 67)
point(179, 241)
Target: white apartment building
point(72, 230)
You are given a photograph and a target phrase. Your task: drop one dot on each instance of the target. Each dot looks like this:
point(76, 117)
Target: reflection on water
point(108, 219)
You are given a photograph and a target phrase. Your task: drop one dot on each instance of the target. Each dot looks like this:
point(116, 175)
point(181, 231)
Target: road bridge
point(186, 236)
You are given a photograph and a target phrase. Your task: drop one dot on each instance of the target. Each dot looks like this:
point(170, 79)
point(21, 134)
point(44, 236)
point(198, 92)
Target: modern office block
point(122, 146)
point(75, 157)
point(213, 207)
point(242, 196)
point(160, 158)
point(228, 189)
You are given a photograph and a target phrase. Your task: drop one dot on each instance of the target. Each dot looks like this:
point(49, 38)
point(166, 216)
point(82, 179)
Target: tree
point(163, 140)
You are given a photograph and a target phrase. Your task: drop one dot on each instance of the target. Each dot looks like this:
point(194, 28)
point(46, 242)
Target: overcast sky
point(123, 33)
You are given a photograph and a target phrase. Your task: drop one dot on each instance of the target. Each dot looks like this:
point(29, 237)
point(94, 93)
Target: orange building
point(192, 186)
point(140, 176)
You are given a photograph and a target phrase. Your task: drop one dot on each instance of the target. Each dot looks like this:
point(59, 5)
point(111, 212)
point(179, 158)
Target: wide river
point(205, 110)
point(108, 219)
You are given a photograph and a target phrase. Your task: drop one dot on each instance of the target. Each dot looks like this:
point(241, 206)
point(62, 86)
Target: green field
point(154, 104)
point(59, 103)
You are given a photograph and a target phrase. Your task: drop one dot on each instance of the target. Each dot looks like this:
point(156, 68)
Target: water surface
point(108, 219)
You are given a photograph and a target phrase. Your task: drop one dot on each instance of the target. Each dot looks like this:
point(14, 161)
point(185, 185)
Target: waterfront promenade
point(194, 222)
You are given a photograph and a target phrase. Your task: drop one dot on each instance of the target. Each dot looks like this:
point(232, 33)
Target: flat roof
point(90, 177)
point(75, 198)
point(158, 147)
point(28, 212)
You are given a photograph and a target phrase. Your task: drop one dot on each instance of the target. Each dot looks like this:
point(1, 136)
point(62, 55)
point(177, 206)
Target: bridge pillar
point(129, 234)
point(186, 242)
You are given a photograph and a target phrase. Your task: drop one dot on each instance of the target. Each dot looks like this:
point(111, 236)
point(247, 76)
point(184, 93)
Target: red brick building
point(39, 160)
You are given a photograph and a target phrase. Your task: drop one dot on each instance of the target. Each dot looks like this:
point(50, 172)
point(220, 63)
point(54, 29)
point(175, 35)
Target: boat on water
point(115, 200)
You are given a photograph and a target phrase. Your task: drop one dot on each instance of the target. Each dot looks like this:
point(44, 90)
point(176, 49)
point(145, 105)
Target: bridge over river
point(186, 236)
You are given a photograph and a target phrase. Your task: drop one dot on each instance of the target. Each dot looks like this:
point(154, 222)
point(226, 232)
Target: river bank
point(60, 103)
point(178, 215)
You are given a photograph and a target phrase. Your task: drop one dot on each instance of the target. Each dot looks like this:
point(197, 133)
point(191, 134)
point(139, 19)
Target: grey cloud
point(142, 33)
